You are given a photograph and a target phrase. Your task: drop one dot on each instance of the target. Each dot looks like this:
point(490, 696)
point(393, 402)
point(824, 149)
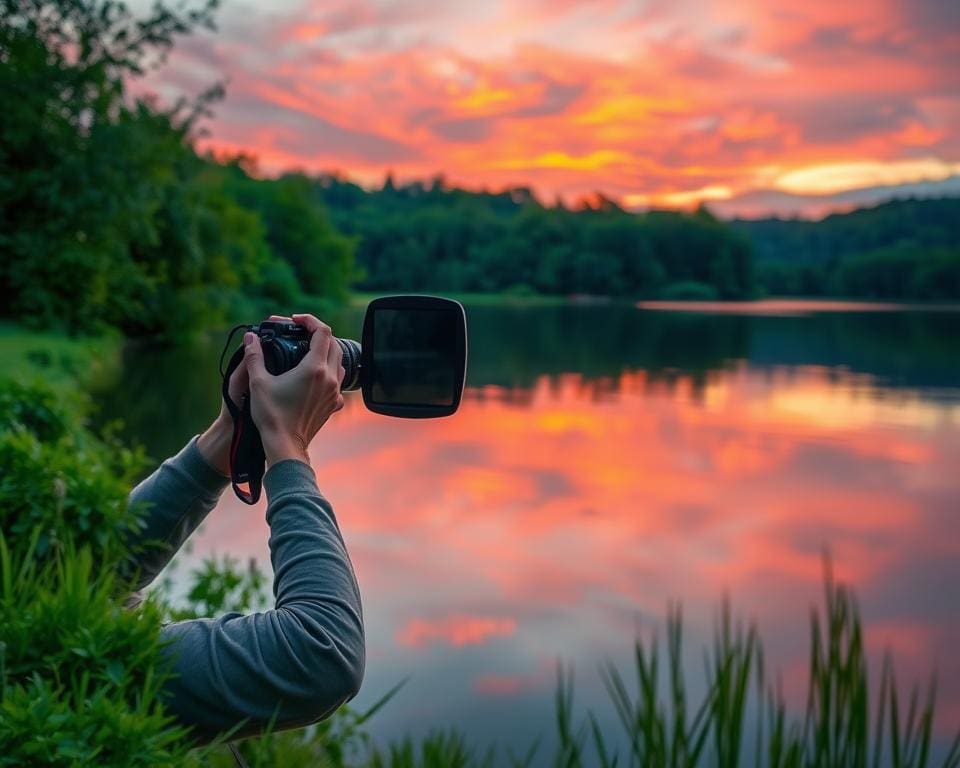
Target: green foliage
point(35, 409)
point(59, 360)
point(60, 486)
point(904, 249)
point(902, 272)
point(430, 237)
point(297, 231)
point(107, 214)
point(80, 675)
point(220, 586)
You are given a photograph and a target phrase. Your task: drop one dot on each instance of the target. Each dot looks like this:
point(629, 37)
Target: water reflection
point(687, 457)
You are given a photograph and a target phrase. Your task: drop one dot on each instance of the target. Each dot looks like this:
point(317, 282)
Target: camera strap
point(247, 459)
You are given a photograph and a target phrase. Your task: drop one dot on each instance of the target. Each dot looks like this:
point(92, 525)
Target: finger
point(335, 360)
point(280, 319)
point(240, 379)
point(320, 338)
point(253, 356)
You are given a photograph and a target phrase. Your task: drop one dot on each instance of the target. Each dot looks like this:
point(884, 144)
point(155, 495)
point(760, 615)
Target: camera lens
point(351, 364)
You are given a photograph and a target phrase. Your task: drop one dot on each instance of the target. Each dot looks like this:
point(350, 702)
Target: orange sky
point(780, 105)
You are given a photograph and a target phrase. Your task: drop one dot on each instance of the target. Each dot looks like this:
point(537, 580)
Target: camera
point(411, 362)
point(285, 344)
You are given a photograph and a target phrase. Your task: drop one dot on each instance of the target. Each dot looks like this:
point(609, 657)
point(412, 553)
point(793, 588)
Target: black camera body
point(285, 345)
point(412, 363)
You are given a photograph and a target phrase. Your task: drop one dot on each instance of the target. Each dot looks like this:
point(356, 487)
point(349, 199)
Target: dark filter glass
point(414, 357)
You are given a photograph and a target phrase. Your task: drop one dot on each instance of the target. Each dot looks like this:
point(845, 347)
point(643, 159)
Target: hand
point(214, 443)
point(290, 409)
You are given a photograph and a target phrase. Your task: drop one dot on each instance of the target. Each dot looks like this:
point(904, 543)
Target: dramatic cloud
point(654, 103)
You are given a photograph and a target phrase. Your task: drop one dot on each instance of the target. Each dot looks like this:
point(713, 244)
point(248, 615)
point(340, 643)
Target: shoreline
point(786, 305)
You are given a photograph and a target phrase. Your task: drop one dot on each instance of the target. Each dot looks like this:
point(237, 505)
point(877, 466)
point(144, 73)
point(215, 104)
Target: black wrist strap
point(247, 460)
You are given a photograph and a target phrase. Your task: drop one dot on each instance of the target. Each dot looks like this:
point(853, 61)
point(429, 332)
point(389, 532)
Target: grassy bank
point(62, 361)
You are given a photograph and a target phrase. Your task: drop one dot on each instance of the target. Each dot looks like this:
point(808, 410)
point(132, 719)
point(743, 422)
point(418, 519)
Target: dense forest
point(431, 236)
point(900, 249)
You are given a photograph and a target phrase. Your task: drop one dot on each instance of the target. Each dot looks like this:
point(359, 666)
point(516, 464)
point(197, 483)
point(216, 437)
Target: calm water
point(607, 459)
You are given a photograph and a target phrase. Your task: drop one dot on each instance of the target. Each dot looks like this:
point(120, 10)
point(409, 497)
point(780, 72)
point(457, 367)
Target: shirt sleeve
point(289, 666)
point(174, 500)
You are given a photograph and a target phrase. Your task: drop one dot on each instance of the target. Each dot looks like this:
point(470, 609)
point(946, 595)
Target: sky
point(754, 106)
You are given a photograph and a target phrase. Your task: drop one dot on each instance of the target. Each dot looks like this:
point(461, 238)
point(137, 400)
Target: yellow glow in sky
point(837, 177)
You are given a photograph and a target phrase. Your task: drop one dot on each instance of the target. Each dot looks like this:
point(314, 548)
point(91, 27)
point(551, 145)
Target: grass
point(58, 359)
point(846, 721)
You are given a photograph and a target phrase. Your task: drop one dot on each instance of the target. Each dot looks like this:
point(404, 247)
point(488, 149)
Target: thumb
point(253, 356)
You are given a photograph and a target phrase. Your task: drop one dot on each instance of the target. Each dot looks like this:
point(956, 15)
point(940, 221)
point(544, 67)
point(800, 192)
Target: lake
point(606, 460)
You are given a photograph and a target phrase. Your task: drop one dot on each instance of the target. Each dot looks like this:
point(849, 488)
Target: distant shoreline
point(792, 306)
point(770, 305)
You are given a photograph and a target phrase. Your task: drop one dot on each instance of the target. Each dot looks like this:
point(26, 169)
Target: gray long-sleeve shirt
point(286, 667)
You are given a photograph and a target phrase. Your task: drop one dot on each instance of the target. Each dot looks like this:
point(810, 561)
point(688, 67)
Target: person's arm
point(294, 664)
point(291, 665)
point(174, 500)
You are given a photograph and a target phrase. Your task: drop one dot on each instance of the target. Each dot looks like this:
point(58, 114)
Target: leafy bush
point(81, 675)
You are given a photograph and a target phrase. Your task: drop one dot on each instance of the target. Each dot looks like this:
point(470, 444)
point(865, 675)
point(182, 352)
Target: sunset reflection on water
point(554, 522)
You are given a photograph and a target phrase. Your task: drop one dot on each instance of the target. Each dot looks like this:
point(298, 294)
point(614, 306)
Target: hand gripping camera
point(411, 363)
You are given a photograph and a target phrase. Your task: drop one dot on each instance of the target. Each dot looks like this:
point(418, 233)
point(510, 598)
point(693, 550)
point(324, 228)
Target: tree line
point(903, 249)
point(429, 235)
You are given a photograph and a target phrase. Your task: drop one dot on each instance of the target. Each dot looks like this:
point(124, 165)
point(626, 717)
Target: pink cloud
point(574, 97)
point(457, 630)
